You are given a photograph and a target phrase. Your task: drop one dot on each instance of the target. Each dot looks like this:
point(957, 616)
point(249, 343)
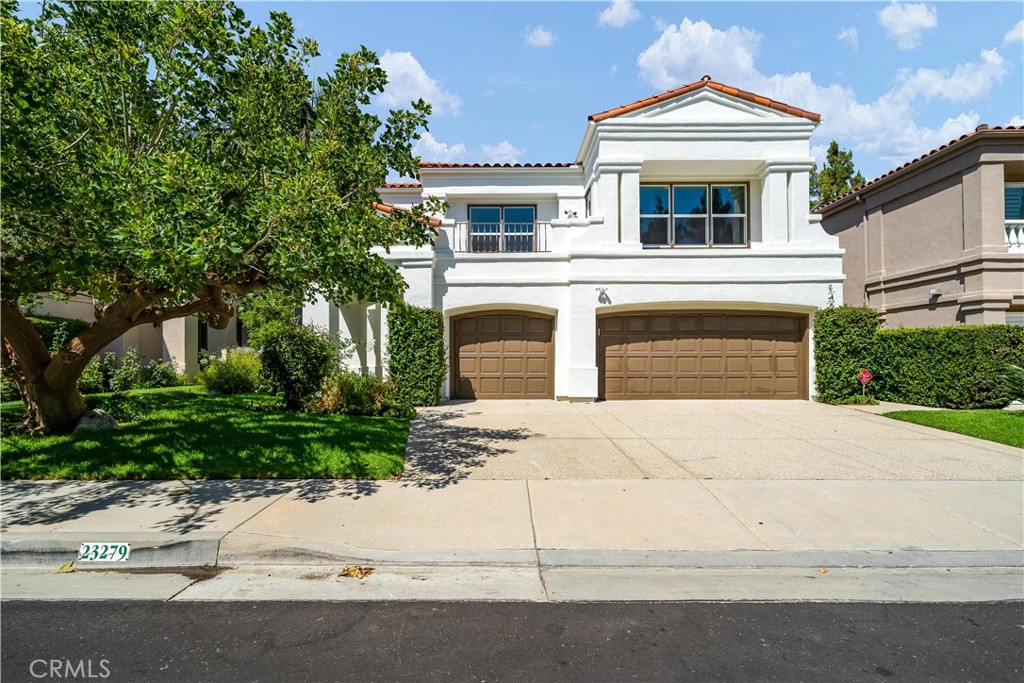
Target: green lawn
point(184, 434)
point(1002, 426)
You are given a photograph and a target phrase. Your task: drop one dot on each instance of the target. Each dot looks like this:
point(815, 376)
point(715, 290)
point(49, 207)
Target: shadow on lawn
point(439, 454)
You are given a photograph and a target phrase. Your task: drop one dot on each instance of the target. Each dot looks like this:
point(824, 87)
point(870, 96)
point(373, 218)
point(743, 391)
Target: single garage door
point(503, 355)
point(702, 355)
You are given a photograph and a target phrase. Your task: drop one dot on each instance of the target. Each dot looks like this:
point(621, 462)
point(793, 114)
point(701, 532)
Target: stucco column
point(374, 351)
point(775, 220)
point(984, 216)
point(181, 343)
point(582, 321)
point(629, 204)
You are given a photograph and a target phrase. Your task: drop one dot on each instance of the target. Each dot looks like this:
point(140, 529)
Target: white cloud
point(884, 127)
point(1015, 34)
point(1017, 120)
point(849, 35)
point(684, 53)
point(407, 81)
point(430, 148)
point(906, 22)
point(618, 14)
point(538, 36)
point(502, 153)
point(614, 70)
point(660, 24)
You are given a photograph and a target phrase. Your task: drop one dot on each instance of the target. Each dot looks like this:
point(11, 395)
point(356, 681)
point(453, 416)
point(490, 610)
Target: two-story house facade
point(939, 240)
point(675, 257)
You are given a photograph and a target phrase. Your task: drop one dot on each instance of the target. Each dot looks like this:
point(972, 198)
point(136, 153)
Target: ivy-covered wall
point(416, 357)
point(946, 367)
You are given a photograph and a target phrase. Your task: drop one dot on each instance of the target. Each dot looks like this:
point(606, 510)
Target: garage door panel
point(705, 355)
point(503, 356)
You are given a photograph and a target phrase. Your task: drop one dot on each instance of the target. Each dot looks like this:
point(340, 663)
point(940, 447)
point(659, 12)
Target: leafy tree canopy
point(837, 177)
point(165, 158)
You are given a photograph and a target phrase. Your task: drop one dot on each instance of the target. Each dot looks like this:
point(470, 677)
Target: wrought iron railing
point(501, 237)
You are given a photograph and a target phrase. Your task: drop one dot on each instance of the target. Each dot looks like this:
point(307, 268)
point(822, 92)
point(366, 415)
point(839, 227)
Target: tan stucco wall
point(939, 227)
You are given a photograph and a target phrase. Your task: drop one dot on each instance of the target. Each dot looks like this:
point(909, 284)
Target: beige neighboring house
point(178, 340)
point(939, 240)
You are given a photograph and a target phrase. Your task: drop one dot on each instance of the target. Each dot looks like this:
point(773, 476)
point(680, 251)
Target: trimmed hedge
point(55, 330)
point(963, 366)
point(947, 367)
point(416, 357)
point(843, 341)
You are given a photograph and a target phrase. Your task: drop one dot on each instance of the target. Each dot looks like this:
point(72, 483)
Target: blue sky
point(515, 81)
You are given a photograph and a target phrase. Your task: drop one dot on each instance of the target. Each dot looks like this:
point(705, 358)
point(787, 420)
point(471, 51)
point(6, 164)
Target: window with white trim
point(680, 215)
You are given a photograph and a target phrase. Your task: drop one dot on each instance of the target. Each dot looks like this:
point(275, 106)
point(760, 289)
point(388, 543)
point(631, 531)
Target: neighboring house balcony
point(1015, 237)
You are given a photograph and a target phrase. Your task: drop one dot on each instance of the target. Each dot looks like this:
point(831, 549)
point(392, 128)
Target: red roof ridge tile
point(706, 82)
point(391, 208)
point(983, 128)
point(401, 186)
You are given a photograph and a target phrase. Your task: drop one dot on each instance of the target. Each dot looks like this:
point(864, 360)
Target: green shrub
point(238, 373)
point(8, 389)
point(91, 381)
point(122, 407)
point(1014, 376)
point(157, 374)
point(416, 357)
point(843, 340)
point(947, 367)
point(352, 394)
point(126, 373)
point(295, 361)
point(54, 330)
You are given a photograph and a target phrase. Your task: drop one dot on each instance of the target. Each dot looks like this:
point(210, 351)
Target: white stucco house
point(675, 257)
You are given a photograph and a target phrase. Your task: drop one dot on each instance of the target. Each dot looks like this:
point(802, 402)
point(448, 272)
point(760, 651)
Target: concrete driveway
point(537, 440)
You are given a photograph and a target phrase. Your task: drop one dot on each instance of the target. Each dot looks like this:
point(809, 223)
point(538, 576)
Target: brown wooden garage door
point(702, 355)
point(503, 355)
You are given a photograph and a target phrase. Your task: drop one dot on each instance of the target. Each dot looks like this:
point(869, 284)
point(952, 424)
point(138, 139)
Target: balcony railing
point(507, 238)
point(1015, 236)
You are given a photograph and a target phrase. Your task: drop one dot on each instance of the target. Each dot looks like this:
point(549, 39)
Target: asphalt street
point(476, 641)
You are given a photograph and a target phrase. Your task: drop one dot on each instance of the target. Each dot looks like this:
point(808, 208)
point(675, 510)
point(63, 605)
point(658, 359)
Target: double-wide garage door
point(702, 355)
point(503, 355)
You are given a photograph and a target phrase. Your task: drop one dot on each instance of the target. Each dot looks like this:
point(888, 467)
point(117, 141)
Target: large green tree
point(837, 177)
point(166, 158)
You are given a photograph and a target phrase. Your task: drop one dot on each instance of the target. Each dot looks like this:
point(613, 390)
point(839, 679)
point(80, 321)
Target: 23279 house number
point(104, 552)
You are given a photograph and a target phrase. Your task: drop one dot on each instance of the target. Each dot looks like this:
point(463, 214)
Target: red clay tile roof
point(442, 164)
point(401, 186)
point(982, 129)
point(391, 208)
point(706, 82)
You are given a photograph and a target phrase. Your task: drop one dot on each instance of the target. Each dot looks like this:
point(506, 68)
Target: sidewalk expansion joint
point(536, 546)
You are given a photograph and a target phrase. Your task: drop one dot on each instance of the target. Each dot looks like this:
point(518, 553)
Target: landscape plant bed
point(182, 433)
point(1002, 426)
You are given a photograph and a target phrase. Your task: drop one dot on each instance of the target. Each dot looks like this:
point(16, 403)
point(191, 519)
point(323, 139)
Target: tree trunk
point(52, 409)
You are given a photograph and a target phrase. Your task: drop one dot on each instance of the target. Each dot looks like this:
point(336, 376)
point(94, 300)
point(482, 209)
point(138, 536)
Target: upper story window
point(1013, 198)
point(681, 215)
point(503, 229)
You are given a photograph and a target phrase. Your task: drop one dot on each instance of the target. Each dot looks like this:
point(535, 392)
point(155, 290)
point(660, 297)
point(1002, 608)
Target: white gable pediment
point(705, 106)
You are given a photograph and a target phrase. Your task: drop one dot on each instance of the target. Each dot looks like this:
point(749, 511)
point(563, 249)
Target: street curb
point(148, 549)
point(225, 549)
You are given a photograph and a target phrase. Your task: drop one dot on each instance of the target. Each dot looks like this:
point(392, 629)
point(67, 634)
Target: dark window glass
point(729, 230)
point(519, 214)
point(729, 199)
point(692, 231)
point(1014, 197)
point(690, 200)
point(654, 231)
point(654, 201)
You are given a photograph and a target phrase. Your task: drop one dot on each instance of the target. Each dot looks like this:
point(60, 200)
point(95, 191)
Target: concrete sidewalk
point(558, 539)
